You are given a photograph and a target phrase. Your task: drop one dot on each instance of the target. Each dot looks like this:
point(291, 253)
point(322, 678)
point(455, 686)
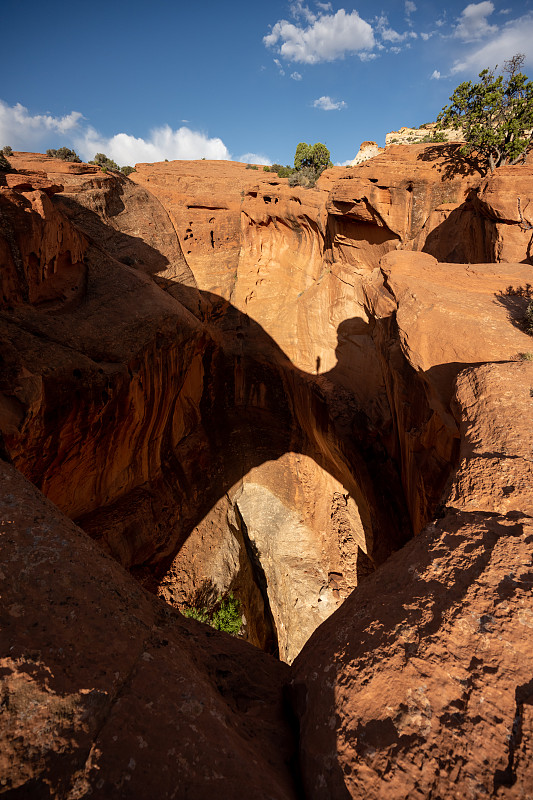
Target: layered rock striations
point(233, 385)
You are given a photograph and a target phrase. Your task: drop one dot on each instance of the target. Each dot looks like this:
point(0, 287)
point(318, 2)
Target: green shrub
point(228, 617)
point(7, 151)
point(199, 614)
point(224, 615)
point(250, 166)
point(305, 177)
point(283, 172)
point(315, 156)
point(105, 163)
point(528, 356)
point(495, 115)
point(5, 166)
point(528, 318)
point(127, 170)
point(65, 154)
point(266, 169)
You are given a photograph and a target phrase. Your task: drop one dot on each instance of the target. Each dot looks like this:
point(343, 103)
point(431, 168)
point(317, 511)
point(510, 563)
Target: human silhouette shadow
point(255, 406)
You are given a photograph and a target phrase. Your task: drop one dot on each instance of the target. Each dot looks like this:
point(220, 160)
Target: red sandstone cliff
point(224, 379)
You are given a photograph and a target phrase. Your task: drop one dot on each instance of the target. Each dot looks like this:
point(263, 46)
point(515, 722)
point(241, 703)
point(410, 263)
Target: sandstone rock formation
point(416, 135)
point(234, 385)
point(366, 151)
point(107, 692)
point(420, 685)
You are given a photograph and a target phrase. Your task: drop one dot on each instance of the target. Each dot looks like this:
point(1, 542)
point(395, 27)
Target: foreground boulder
point(108, 692)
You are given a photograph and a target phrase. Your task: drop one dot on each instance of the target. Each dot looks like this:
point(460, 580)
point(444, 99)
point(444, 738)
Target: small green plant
point(65, 154)
point(127, 170)
point(7, 150)
point(528, 318)
point(525, 356)
point(250, 166)
point(434, 138)
point(266, 169)
point(224, 615)
point(305, 177)
point(5, 166)
point(199, 614)
point(105, 163)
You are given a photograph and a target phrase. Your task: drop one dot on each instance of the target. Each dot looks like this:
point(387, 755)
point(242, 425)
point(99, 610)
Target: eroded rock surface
point(273, 413)
point(420, 684)
point(108, 692)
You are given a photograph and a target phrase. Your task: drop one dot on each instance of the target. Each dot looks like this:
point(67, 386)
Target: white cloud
point(23, 130)
point(299, 10)
point(162, 143)
point(515, 37)
point(435, 76)
point(426, 36)
point(388, 34)
point(327, 104)
point(410, 7)
point(327, 38)
point(296, 76)
point(369, 56)
point(279, 65)
point(254, 158)
point(473, 23)
point(324, 6)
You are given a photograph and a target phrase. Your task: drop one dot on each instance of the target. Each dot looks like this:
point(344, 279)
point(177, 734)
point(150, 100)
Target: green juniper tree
point(496, 114)
point(315, 156)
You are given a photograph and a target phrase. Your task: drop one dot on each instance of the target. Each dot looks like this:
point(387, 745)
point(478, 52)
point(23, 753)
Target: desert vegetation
point(496, 114)
point(222, 612)
point(105, 163)
point(5, 165)
point(65, 154)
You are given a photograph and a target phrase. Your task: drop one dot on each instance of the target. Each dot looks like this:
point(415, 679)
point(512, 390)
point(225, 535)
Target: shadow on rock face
point(451, 162)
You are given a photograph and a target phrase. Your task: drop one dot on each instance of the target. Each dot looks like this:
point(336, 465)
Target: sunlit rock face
point(235, 386)
point(291, 546)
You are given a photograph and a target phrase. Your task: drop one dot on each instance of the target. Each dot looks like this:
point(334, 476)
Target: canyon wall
point(233, 385)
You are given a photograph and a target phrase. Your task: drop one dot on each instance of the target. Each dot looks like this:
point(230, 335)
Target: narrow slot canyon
point(214, 385)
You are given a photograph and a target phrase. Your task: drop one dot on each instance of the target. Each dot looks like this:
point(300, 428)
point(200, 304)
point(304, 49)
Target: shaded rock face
point(112, 693)
point(429, 661)
point(272, 414)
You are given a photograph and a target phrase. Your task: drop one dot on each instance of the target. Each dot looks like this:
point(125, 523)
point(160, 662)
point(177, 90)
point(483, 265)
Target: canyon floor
point(316, 400)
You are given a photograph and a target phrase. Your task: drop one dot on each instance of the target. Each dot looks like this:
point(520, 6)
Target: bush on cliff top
point(305, 177)
point(5, 166)
point(316, 156)
point(104, 162)
point(65, 154)
point(283, 172)
point(496, 114)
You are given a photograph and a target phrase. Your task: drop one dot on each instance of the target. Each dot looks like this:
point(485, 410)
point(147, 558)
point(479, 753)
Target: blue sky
point(147, 81)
